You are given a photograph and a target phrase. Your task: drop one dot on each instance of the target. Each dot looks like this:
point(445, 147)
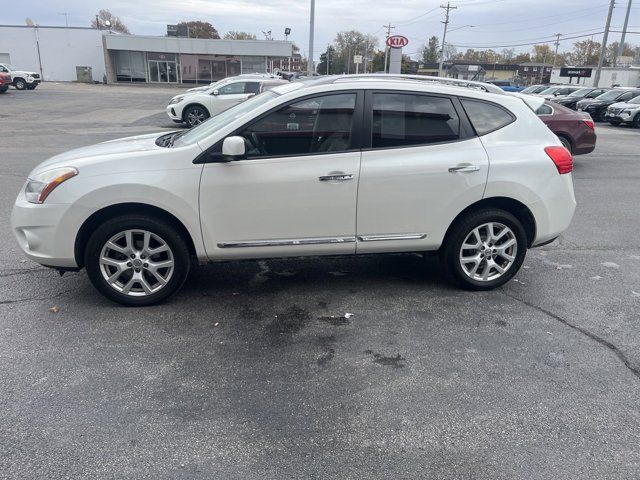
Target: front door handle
point(341, 177)
point(466, 167)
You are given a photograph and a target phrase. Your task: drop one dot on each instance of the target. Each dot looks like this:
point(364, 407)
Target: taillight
point(589, 123)
point(561, 158)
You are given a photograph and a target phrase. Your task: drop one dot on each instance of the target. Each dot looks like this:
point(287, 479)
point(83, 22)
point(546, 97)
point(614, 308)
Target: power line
point(524, 44)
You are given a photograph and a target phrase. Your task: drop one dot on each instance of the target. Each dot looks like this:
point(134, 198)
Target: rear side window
point(402, 120)
point(486, 117)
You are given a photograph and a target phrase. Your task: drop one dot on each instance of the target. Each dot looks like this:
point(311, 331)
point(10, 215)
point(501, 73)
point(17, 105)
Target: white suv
point(330, 167)
point(20, 79)
point(195, 106)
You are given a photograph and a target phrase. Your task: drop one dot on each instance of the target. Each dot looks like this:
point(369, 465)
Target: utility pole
point(386, 47)
point(310, 69)
point(98, 23)
point(555, 55)
point(444, 35)
point(624, 32)
point(66, 18)
point(603, 50)
point(328, 56)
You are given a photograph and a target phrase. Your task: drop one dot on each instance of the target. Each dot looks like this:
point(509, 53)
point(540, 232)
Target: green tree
point(231, 35)
point(105, 16)
point(542, 53)
point(200, 29)
point(350, 43)
point(429, 52)
point(585, 52)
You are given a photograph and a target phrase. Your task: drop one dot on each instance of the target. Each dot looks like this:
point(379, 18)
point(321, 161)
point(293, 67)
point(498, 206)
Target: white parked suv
point(194, 107)
point(20, 79)
point(336, 166)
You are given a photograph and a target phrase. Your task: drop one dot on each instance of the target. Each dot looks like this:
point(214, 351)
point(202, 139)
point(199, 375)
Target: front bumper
point(41, 233)
point(620, 117)
point(173, 113)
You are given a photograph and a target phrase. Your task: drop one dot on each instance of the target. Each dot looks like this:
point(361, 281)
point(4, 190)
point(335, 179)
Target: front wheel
point(484, 249)
point(136, 260)
point(20, 84)
point(195, 115)
point(602, 115)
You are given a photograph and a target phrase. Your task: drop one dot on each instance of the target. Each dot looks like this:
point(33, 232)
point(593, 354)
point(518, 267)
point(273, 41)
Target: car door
point(295, 192)
point(231, 94)
point(423, 166)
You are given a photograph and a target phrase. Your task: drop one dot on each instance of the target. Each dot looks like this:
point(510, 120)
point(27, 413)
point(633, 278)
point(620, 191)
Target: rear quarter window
point(486, 117)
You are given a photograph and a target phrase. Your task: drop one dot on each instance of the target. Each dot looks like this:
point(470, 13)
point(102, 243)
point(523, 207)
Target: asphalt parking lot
point(252, 371)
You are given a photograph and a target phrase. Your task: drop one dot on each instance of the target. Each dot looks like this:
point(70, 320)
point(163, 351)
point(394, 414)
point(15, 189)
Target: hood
point(626, 105)
point(87, 155)
point(23, 73)
point(588, 101)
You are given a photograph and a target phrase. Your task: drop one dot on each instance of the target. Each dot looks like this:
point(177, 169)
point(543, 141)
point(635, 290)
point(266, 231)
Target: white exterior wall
point(625, 77)
point(61, 50)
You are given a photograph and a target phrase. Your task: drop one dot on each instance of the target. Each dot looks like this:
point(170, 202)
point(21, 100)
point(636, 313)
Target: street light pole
point(310, 68)
point(603, 50)
point(624, 32)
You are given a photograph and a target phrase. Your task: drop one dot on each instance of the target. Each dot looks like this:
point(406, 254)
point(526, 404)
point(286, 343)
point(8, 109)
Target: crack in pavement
point(24, 300)
point(605, 343)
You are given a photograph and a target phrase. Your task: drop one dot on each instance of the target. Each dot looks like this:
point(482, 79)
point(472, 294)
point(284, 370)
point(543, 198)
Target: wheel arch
point(111, 211)
point(514, 207)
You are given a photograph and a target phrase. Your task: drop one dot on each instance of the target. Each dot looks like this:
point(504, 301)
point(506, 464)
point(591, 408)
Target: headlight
point(176, 100)
point(41, 185)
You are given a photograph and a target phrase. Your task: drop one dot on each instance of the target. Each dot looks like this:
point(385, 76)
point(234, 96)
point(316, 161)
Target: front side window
point(318, 125)
point(402, 120)
point(486, 117)
point(232, 89)
point(628, 96)
point(595, 93)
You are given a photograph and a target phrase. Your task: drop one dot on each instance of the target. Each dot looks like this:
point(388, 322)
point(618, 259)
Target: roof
point(535, 64)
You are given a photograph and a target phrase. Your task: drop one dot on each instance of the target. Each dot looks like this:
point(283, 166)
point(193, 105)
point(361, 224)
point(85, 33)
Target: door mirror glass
point(233, 148)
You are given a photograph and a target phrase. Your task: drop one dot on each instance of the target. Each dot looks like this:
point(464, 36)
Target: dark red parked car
point(575, 129)
point(5, 81)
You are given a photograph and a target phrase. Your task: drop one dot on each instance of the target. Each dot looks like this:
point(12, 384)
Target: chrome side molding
point(378, 238)
point(288, 241)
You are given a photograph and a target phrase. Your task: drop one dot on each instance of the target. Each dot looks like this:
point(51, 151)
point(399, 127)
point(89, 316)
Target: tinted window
point(251, 87)
point(595, 94)
point(404, 119)
point(317, 125)
point(628, 96)
point(486, 117)
point(544, 110)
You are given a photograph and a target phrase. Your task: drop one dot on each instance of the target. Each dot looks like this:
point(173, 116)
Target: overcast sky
point(496, 22)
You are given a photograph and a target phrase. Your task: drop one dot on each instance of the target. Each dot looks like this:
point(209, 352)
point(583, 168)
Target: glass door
point(161, 71)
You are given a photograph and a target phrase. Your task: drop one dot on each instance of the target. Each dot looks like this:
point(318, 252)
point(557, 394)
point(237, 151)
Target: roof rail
point(487, 87)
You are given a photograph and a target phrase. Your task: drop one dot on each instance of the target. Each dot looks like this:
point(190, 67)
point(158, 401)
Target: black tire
point(565, 143)
point(636, 121)
point(601, 116)
point(458, 233)
point(20, 84)
point(4, 88)
point(163, 230)
point(194, 115)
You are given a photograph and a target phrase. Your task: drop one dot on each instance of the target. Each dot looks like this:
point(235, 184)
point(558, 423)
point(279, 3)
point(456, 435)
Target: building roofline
point(50, 26)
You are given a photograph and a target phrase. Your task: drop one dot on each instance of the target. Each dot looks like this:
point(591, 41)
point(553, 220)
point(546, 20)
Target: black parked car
point(597, 107)
point(572, 99)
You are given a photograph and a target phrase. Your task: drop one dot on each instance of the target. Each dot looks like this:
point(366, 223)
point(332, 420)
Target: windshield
point(532, 89)
point(550, 91)
point(635, 100)
point(216, 122)
point(610, 95)
point(583, 92)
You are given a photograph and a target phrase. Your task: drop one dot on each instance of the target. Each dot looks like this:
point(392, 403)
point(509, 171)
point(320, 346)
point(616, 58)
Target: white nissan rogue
point(336, 166)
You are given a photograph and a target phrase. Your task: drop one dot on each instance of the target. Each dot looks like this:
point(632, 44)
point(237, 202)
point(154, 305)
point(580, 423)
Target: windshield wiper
point(174, 137)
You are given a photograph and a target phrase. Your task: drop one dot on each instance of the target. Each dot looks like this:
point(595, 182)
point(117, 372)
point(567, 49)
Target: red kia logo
point(397, 41)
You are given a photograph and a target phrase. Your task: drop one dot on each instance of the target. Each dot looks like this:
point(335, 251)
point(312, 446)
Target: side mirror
point(233, 148)
point(215, 92)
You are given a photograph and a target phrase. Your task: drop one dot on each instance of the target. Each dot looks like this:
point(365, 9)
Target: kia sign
point(576, 72)
point(397, 41)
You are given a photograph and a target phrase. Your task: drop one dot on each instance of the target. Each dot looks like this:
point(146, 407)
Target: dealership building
point(89, 54)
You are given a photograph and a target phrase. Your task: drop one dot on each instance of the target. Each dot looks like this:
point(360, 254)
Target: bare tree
point(105, 16)
point(239, 36)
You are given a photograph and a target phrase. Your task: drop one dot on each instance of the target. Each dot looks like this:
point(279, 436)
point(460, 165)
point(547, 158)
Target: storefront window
point(253, 65)
point(129, 66)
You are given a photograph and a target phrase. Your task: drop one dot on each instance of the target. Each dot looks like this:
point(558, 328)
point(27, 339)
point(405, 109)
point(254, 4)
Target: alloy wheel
point(136, 263)
point(488, 251)
point(195, 117)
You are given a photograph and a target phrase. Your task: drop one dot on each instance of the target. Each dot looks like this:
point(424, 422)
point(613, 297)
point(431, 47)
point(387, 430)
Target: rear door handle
point(464, 168)
point(342, 177)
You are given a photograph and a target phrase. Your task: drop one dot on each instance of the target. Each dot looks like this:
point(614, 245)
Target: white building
point(55, 52)
point(610, 76)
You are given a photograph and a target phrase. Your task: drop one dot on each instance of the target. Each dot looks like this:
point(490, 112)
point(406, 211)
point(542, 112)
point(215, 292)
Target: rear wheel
point(195, 115)
point(484, 249)
point(565, 143)
point(136, 260)
point(636, 121)
point(20, 84)
point(602, 115)
point(4, 88)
